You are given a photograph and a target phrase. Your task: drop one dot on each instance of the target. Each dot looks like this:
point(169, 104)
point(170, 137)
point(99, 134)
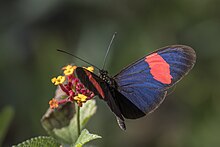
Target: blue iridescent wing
point(145, 82)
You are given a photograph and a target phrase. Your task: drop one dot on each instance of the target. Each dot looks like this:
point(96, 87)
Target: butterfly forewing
point(146, 81)
point(100, 88)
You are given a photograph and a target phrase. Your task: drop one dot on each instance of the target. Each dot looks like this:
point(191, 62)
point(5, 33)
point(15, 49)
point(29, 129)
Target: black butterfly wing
point(103, 90)
point(128, 109)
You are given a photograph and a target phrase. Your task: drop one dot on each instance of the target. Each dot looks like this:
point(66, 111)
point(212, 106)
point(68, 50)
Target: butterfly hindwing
point(128, 109)
point(146, 81)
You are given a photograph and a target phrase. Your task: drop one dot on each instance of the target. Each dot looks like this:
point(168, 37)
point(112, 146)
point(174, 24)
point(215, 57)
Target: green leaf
point(6, 116)
point(58, 118)
point(41, 141)
point(85, 137)
point(68, 134)
point(86, 112)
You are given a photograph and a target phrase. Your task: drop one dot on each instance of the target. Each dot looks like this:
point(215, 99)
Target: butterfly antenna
point(78, 58)
point(109, 46)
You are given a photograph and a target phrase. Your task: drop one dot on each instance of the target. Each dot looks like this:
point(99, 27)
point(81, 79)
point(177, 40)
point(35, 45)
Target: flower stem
point(78, 120)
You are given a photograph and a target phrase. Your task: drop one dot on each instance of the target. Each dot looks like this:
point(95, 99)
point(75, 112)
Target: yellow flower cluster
point(59, 80)
point(69, 69)
point(80, 98)
point(90, 68)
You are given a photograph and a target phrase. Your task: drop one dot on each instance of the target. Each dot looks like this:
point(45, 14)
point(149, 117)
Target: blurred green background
point(32, 30)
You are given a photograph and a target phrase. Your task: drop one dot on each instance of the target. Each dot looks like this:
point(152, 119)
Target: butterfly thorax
point(103, 74)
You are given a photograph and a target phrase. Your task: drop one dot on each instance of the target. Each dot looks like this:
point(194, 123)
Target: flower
point(58, 80)
point(90, 68)
point(75, 91)
point(69, 69)
point(80, 98)
point(53, 103)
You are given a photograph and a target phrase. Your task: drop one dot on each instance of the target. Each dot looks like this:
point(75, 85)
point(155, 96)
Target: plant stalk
point(78, 120)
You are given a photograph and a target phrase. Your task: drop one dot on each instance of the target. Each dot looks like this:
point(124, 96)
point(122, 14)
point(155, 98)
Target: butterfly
point(141, 87)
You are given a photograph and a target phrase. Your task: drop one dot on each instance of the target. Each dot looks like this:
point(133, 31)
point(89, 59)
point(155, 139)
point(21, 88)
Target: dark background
point(32, 30)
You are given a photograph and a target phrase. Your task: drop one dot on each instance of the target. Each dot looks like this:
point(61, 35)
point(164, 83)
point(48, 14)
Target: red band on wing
point(159, 68)
point(95, 83)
